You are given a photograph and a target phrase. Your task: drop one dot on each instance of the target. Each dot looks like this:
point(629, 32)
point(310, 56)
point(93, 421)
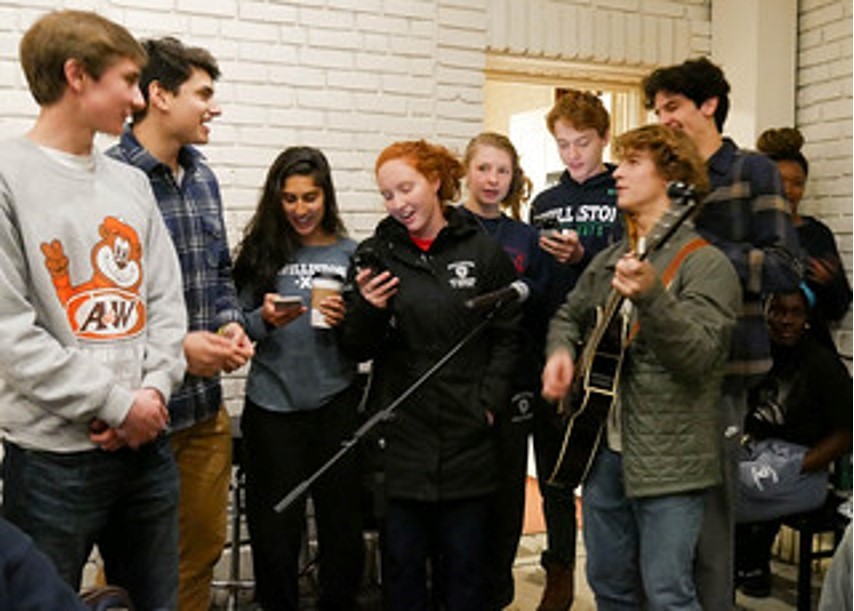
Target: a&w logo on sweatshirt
point(107, 306)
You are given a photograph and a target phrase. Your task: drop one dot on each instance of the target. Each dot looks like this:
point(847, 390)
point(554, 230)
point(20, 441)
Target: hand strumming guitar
point(557, 375)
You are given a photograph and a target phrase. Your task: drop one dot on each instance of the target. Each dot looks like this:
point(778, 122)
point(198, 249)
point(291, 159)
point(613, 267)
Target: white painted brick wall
point(350, 76)
point(303, 72)
point(824, 103)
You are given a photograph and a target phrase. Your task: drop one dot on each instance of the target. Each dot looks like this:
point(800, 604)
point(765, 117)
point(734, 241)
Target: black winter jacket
point(439, 444)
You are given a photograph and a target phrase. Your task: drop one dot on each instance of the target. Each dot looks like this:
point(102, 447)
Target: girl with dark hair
point(301, 392)
point(424, 261)
point(823, 272)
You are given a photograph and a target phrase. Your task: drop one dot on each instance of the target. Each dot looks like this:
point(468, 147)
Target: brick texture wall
point(350, 76)
point(347, 76)
point(824, 105)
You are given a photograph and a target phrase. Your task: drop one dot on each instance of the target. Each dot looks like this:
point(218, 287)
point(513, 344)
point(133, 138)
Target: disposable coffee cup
point(322, 286)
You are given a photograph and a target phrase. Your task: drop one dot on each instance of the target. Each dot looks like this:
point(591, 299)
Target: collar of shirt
point(722, 161)
point(188, 157)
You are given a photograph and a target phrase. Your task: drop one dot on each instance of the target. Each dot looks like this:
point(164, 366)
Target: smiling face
point(410, 198)
point(679, 112)
point(787, 318)
point(192, 108)
point(580, 150)
point(107, 102)
point(304, 206)
point(640, 186)
point(488, 177)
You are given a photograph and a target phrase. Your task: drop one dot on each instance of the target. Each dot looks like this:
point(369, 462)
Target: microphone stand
point(385, 413)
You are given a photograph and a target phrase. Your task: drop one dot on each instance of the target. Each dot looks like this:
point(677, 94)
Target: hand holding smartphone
point(284, 303)
point(366, 258)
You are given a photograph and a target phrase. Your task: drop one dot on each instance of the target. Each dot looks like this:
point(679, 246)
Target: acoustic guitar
point(597, 370)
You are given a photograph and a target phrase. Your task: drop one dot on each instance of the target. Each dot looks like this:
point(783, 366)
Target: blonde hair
point(520, 185)
point(96, 42)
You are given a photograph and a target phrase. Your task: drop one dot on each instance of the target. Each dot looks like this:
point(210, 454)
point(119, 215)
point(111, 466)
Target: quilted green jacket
point(669, 389)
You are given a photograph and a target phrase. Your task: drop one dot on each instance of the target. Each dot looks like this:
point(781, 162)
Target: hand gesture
point(106, 437)
point(279, 317)
point(633, 278)
point(822, 269)
point(564, 246)
point(54, 257)
point(557, 375)
point(145, 420)
point(210, 353)
point(333, 309)
point(242, 348)
point(377, 289)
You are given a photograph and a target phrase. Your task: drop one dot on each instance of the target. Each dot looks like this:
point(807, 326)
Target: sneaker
point(756, 583)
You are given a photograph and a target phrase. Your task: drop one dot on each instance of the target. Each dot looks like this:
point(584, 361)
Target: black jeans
point(452, 538)
point(282, 450)
point(511, 431)
point(558, 503)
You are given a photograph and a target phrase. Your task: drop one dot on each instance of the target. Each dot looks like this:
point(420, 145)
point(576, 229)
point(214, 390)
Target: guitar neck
point(612, 305)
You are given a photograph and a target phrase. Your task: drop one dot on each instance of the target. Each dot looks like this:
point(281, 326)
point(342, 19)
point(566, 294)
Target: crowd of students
point(122, 307)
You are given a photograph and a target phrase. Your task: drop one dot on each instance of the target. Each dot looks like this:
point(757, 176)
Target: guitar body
point(589, 404)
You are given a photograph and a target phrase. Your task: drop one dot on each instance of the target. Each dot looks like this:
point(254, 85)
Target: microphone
point(516, 291)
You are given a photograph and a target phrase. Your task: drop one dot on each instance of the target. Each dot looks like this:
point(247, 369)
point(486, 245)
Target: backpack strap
point(669, 274)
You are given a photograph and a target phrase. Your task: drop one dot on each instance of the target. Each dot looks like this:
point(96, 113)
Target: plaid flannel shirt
point(748, 218)
point(193, 214)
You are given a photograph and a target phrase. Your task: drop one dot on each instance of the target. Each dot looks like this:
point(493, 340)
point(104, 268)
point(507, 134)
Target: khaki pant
point(203, 455)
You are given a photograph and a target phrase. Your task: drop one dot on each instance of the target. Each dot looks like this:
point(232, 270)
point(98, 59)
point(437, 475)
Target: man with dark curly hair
point(747, 217)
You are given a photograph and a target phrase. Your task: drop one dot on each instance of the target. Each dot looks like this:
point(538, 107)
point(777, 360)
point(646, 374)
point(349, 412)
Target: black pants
point(558, 502)
point(435, 554)
point(511, 431)
point(753, 543)
point(282, 450)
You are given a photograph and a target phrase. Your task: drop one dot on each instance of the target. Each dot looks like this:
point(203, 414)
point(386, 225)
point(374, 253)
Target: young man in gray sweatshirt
point(92, 318)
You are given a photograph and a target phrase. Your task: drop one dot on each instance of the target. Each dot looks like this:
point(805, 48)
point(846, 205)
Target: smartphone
point(548, 227)
point(367, 258)
point(283, 303)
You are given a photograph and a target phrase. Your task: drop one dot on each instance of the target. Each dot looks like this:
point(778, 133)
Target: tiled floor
point(530, 579)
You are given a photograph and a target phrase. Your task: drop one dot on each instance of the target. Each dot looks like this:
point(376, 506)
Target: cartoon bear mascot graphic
point(107, 306)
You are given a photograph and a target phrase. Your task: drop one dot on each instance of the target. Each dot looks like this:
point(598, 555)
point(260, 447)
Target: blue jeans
point(125, 502)
point(450, 536)
point(640, 551)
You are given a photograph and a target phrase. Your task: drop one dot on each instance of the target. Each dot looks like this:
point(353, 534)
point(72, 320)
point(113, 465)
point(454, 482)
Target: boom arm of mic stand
point(383, 414)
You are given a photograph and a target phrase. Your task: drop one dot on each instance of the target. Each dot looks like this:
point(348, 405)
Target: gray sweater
point(297, 366)
point(91, 305)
